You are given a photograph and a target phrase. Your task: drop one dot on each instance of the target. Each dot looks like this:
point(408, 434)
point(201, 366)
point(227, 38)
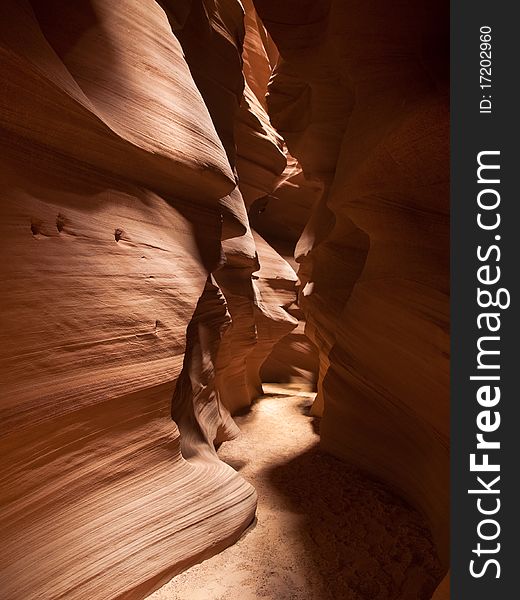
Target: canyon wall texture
point(167, 168)
point(360, 95)
point(138, 305)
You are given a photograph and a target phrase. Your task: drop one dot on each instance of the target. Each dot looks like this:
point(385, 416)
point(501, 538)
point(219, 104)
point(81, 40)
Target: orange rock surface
point(165, 225)
point(118, 188)
point(360, 95)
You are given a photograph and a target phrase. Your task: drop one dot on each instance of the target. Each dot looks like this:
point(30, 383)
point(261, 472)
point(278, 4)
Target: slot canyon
point(225, 300)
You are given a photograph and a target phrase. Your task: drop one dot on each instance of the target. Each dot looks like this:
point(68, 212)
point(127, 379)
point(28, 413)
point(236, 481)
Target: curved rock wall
point(360, 96)
point(153, 199)
point(120, 298)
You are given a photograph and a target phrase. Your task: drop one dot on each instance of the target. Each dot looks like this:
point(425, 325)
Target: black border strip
point(473, 132)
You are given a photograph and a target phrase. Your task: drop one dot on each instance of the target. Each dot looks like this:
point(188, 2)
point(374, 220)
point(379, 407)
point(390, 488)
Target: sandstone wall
point(153, 199)
point(360, 96)
point(119, 183)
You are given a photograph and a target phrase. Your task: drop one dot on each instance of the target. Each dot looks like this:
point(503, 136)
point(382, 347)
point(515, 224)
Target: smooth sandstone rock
point(151, 209)
point(360, 97)
point(115, 186)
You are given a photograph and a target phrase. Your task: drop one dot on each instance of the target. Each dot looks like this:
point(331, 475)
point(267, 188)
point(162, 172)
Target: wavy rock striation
point(123, 307)
point(153, 201)
point(360, 97)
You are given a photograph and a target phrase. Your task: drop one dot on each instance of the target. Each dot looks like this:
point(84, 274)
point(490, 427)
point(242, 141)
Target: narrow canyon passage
point(199, 197)
point(323, 531)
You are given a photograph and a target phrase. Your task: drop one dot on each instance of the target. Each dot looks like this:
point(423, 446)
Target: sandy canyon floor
point(323, 529)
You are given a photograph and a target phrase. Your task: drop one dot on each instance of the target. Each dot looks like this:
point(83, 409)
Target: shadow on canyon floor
point(324, 530)
point(365, 541)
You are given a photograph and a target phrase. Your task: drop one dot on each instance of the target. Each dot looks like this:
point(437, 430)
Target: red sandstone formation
point(443, 591)
point(360, 97)
point(152, 203)
point(118, 188)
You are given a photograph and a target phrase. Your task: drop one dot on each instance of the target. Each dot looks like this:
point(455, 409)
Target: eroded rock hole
point(60, 222)
point(36, 226)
